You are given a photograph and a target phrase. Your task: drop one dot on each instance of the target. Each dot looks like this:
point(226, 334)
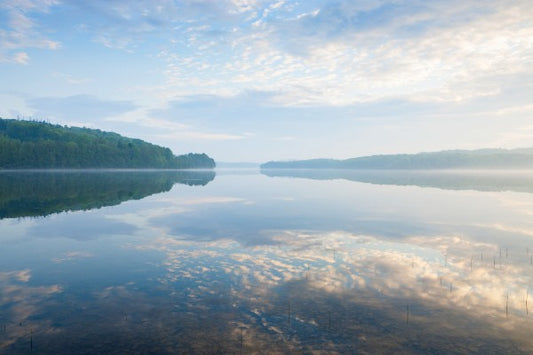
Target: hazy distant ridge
point(451, 159)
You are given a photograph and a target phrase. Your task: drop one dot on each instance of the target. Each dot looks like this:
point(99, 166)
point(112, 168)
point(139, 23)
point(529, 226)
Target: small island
point(41, 145)
point(521, 158)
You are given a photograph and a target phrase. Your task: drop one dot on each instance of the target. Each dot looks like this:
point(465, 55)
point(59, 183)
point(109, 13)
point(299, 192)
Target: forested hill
point(40, 145)
point(452, 159)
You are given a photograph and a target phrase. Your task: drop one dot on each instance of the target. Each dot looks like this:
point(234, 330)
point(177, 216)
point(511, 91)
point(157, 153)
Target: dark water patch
point(41, 193)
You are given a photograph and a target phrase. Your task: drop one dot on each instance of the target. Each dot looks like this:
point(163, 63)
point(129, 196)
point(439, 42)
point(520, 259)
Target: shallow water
point(301, 262)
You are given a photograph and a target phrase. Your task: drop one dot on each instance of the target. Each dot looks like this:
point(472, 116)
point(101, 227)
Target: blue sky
point(254, 80)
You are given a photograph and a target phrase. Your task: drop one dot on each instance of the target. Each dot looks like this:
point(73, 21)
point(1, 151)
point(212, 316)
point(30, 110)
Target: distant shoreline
point(482, 159)
point(103, 169)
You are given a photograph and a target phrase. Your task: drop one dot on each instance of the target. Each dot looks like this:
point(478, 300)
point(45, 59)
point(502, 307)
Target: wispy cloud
point(71, 79)
point(21, 58)
point(123, 25)
point(20, 31)
point(84, 109)
point(342, 53)
point(72, 256)
point(422, 74)
point(192, 135)
point(314, 53)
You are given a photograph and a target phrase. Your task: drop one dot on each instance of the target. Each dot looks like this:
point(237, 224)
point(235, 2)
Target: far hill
point(451, 159)
point(41, 145)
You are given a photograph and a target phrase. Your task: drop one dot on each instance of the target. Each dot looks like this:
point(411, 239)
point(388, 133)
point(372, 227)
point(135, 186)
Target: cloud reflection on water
point(340, 267)
point(19, 303)
point(92, 225)
point(442, 281)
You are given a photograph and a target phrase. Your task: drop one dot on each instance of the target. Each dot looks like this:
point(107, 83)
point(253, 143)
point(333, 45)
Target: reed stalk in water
point(507, 306)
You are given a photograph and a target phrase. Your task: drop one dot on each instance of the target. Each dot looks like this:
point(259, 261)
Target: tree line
point(521, 158)
point(40, 145)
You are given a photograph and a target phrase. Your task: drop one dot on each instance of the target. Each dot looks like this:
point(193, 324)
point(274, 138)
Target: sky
point(255, 80)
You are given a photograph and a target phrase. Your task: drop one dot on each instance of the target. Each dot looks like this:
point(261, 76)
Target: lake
point(246, 261)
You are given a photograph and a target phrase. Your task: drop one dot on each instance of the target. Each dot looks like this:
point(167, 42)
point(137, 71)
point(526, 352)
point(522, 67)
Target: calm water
point(300, 262)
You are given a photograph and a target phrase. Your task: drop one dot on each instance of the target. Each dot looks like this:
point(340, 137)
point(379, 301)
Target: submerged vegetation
point(31, 144)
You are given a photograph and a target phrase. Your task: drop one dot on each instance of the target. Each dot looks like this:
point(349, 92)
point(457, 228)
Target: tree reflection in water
point(253, 264)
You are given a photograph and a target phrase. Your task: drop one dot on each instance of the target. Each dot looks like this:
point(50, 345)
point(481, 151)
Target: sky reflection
point(438, 286)
point(249, 263)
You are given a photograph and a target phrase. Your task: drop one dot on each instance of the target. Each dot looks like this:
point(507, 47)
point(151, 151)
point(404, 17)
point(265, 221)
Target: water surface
point(162, 262)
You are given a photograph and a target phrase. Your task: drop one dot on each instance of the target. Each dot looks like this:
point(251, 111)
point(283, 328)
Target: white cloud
point(243, 5)
point(21, 275)
point(72, 256)
point(21, 58)
point(79, 109)
point(318, 53)
point(192, 135)
point(521, 137)
point(21, 31)
point(438, 52)
point(453, 64)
